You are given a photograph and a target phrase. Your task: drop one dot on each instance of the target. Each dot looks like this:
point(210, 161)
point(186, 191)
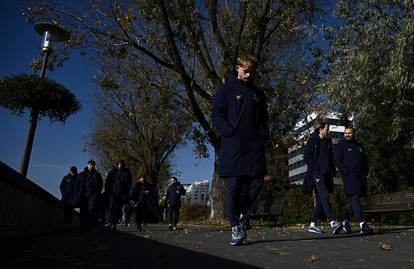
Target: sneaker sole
point(315, 232)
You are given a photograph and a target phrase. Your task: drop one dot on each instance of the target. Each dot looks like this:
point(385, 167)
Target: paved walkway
point(207, 247)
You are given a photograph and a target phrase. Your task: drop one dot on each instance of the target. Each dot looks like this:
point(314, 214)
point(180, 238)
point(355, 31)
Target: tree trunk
point(217, 196)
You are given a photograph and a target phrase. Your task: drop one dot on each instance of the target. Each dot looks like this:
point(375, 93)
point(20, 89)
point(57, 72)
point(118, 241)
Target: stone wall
point(26, 208)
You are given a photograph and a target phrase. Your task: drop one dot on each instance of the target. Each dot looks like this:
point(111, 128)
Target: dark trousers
point(173, 212)
point(241, 192)
point(68, 213)
point(354, 208)
point(113, 210)
point(322, 200)
point(141, 212)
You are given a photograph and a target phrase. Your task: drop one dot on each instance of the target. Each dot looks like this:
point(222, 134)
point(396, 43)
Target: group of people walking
point(109, 203)
point(239, 115)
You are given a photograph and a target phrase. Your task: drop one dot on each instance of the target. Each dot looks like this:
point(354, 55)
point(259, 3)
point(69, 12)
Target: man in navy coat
point(117, 188)
point(70, 194)
point(173, 202)
point(239, 114)
point(352, 162)
point(318, 156)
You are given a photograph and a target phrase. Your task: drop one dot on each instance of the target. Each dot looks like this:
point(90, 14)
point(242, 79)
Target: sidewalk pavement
point(208, 247)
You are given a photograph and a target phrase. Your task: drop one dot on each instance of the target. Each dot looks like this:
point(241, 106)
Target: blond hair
point(246, 61)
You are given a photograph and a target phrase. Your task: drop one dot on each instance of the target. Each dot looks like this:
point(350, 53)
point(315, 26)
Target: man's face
point(119, 165)
point(90, 167)
point(142, 179)
point(324, 132)
point(348, 134)
point(245, 73)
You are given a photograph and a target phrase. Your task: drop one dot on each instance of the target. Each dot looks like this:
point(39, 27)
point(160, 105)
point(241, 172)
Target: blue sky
point(58, 146)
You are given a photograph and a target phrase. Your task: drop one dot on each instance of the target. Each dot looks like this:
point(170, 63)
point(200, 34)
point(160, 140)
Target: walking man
point(318, 155)
point(352, 162)
point(239, 114)
point(70, 194)
point(173, 202)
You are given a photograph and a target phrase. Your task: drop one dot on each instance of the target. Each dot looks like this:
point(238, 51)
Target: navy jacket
point(239, 114)
point(173, 195)
point(91, 185)
point(70, 190)
point(311, 157)
point(118, 183)
point(352, 162)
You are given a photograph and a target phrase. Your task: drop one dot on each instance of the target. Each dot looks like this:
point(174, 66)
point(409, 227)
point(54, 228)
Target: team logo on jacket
point(360, 149)
point(238, 97)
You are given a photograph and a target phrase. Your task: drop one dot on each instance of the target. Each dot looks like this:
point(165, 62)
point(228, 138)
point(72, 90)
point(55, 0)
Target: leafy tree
point(371, 75)
point(28, 92)
point(199, 41)
point(139, 118)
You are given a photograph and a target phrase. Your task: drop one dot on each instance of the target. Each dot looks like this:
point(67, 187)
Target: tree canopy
point(25, 92)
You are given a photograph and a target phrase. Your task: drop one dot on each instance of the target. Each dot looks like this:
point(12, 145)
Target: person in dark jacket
point(70, 194)
point(91, 184)
point(352, 162)
point(144, 202)
point(239, 114)
point(318, 156)
point(173, 202)
point(117, 188)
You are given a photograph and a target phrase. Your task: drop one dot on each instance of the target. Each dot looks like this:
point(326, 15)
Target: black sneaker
point(365, 229)
point(346, 227)
point(336, 227)
point(170, 227)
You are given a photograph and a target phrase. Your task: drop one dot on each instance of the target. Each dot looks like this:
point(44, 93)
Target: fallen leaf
point(384, 246)
point(147, 236)
point(312, 258)
point(411, 261)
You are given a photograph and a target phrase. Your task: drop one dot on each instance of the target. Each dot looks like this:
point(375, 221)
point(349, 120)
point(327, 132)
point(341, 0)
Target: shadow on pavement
point(102, 249)
point(328, 236)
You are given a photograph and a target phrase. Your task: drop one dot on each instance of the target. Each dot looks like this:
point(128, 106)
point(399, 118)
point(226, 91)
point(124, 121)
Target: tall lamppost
point(51, 33)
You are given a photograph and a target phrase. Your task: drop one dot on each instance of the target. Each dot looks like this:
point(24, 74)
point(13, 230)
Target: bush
point(191, 213)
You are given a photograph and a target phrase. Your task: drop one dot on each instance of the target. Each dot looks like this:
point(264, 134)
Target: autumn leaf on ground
point(411, 261)
point(275, 252)
point(312, 258)
point(384, 246)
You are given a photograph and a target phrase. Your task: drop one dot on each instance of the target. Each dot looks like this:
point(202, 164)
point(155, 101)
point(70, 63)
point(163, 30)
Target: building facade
point(297, 165)
point(197, 193)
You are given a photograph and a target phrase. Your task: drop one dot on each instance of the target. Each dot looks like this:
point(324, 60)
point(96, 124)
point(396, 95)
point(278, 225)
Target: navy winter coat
point(311, 156)
point(239, 114)
point(173, 195)
point(352, 162)
point(118, 183)
point(70, 190)
point(91, 184)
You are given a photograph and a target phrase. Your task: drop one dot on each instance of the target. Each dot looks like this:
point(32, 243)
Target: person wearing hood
point(70, 194)
point(91, 184)
point(318, 155)
point(239, 114)
point(117, 188)
point(352, 162)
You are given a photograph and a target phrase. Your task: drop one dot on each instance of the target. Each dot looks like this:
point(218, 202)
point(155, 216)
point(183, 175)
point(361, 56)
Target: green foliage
point(371, 74)
point(25, 92)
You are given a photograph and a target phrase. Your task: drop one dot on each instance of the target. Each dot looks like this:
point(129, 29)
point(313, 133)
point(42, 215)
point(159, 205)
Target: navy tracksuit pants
point(241, 192)
point(322, 200)
point(354, 208)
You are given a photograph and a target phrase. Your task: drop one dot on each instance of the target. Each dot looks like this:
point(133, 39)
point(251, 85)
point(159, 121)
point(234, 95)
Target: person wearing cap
point(70, 194)
point(173, 202)
point(91, 183)
point(318, 156)
point(117, 188)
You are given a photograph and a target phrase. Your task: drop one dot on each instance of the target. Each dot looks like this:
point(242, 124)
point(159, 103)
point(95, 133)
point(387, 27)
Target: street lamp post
point(51, 33)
